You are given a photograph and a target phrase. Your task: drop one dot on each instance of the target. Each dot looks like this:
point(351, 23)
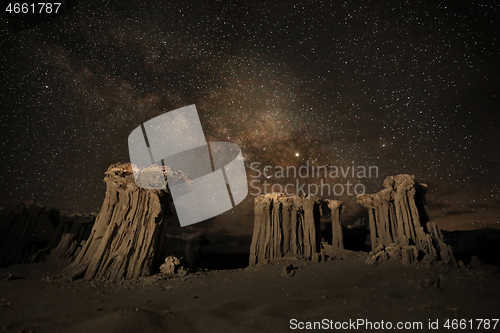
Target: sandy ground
point(248, 300)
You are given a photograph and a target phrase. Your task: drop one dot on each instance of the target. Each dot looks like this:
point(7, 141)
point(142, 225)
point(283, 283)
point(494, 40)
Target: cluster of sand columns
point(398, 216)
point(290, 225)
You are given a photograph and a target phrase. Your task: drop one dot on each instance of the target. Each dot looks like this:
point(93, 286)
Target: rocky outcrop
point(74, 231)
point(25, 228)
point(285, 225)
point(128, 235)
point(172, 266)
point(30, 232)
point(399, 224)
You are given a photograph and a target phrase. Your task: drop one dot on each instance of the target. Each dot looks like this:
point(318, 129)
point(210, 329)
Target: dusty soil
point(33, 299)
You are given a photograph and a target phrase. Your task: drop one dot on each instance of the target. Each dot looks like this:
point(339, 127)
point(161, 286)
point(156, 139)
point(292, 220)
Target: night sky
point(408, 86)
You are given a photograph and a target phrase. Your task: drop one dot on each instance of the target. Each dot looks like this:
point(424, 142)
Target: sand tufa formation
point(128, 235)
point(336, 209)
point(290, 225)
point(399, 224)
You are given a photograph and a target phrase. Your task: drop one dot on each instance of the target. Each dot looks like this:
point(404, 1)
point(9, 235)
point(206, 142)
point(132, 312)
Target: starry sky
point(407, 86)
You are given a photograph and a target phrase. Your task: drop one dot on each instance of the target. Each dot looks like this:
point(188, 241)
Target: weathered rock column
point(285, 225)
point(398, 219)
point(336, 208)
point(381, 216)
point(127, 238)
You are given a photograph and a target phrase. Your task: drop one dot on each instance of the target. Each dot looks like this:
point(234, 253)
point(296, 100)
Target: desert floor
point(257, 299)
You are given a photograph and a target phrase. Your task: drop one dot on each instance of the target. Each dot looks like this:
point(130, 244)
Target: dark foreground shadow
point(356, 238)
point(218, 261)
